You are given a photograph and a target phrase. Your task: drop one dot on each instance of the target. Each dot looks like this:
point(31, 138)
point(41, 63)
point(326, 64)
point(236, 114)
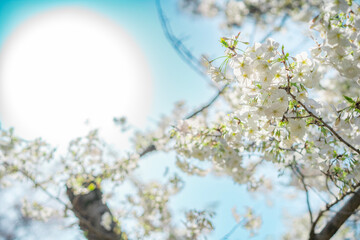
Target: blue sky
point(173, 81)
point(172, 76)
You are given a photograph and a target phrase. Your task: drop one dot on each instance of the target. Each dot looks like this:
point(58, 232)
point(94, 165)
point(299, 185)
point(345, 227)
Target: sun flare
point(69, 66)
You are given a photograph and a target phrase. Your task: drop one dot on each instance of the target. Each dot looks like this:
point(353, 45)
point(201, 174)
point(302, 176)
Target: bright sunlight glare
point(68, 66)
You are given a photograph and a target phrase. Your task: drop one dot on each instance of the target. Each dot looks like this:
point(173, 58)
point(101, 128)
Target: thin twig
point(177, 44)
point(334, 224)
point(231, 231)
point(152, 147)
point(208, 104)
point(319, 119)
point(318, 194)
point(328, 207)
point(325, 124)
point(328, 188)
point(301, 177)
point(298, 117)
point(36, 184)
point(282, 23)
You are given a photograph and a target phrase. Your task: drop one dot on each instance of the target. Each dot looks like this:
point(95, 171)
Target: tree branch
point(325, 124)
point(152, 147)
point(90, 209)
point(338, 219)
point(282, 23)
point(147, 150)
point(208, 104)
point(177, 44)
point(299, 174)
point(233, 229)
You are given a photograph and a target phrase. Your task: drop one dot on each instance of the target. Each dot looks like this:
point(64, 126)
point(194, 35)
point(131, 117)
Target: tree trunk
point(89, 209)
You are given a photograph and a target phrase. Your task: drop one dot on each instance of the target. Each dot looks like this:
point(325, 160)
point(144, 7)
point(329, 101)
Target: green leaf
point(91, 187)
point(224, 43)
point(349, 99)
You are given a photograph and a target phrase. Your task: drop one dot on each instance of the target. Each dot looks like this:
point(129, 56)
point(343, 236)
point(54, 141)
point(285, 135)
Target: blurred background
point(69, 66)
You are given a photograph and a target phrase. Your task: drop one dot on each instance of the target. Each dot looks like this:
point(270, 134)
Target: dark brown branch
point(147, 150)
point(298, 117)
point(338, 219)
point(88, 208)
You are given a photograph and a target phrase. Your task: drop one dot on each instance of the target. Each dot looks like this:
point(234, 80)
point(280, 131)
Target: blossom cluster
point(276, 110)
point(198, 223)
point(339, 28)
point(299, 113)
